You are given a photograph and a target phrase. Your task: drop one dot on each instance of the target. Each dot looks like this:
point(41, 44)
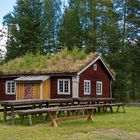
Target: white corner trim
point(75, 86)
point(93, 63)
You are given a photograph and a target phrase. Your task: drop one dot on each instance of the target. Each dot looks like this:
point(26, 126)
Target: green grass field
point(106, 126)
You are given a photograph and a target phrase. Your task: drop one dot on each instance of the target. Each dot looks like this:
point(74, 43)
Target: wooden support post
point(117, 108)
point(73, 112)
point(123, 109)
point(22, 118)
point(13, 115)
point(53, 115)
point(98, 109)
point(30, 119)
point(90, 118)
point(111, 109)
point(4, 114)
point(47, 116)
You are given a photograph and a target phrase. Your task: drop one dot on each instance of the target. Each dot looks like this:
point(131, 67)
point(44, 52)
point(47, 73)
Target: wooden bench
point(53, 113)
point(108, 105)
point(118, 105)
point(17, 108)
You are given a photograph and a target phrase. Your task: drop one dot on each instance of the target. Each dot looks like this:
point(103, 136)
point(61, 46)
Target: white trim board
point(98, 58)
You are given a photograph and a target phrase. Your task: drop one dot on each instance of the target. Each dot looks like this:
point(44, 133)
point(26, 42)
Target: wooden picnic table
point(15, 104)
point(12, 104)
point(18, 104)
point(93, 100)
point(59, 102)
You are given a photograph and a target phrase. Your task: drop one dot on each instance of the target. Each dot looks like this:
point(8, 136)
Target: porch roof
point(29, 79)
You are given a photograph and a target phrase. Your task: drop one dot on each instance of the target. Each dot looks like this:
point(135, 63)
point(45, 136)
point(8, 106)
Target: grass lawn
point(106, 126)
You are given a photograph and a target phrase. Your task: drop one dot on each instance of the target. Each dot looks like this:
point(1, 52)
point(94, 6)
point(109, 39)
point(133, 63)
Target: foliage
point(27, 63)
point(59, 62)
point(77, 54)
point(54, 58)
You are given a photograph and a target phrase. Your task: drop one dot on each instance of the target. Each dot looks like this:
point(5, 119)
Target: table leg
point(13, 115)
point(90, 118)
point(53, 116)
point(4, 114)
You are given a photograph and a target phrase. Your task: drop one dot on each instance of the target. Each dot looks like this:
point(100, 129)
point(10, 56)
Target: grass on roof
point(64, 61)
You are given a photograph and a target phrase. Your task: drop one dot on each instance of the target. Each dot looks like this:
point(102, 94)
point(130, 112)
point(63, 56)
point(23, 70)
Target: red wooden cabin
point(91, 79)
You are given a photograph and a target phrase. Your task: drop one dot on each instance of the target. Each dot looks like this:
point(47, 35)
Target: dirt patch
point(110, 134)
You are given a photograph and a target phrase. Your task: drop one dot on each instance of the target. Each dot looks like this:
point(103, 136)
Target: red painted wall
point(54, 87)
point(3, 95)
point(100, 75)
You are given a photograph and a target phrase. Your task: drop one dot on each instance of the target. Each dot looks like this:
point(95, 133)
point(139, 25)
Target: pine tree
point(51, 24)
point(25, 27)
point(70, 27)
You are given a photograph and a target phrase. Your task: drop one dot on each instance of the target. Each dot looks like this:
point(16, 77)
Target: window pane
point(60, 86)
point(10, 87)
point(99, 88)
point(86, 87)
point(66, 87)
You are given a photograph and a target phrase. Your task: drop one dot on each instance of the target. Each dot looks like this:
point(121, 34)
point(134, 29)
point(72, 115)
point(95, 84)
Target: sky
point(6, 6)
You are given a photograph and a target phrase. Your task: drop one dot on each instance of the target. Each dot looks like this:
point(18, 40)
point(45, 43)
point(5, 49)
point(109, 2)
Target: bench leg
point(90, 118)
point(4, 114)
point(73, 112)
point(104, 109)
point(22, 118)
point(53, 116)
point(117, 108)
point(123, 109)
point(13, 115)
point(98, 109)
point(47, 116)
point(30, 120)
point(111, 109)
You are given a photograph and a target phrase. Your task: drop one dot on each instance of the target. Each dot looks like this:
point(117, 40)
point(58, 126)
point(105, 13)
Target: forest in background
point(109, 27)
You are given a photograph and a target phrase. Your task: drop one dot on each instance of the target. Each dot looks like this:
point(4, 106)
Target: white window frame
point(95, 67)
point(100, 84)
point(58, 89)
point(85, 84)
point(6, 88)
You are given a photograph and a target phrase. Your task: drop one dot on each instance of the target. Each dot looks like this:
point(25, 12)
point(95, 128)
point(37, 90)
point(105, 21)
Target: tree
point(24, 26)
point(51, 24)
point(70, 27)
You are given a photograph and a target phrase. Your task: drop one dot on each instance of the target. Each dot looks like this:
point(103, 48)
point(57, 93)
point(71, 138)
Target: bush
point(76, 54)
point(54, 58)
point(64, 53)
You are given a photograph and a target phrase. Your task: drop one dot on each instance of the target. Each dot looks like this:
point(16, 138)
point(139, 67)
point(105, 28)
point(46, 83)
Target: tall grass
point(38, 62)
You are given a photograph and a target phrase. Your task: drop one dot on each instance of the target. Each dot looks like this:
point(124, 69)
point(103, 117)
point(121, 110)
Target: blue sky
point(6, 6)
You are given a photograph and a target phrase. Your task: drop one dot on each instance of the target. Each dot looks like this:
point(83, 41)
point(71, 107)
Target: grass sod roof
point(63, 62)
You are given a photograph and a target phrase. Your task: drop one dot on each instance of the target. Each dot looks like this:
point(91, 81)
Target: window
point(64, 86)
point(95, 67)
point(87, 87)
point(99, 88)
point(10, 87)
